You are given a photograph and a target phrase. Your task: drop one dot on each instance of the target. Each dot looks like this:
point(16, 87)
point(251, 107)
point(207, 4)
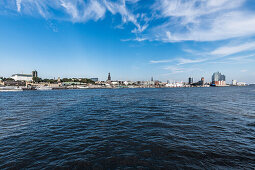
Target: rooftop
point(22, 75)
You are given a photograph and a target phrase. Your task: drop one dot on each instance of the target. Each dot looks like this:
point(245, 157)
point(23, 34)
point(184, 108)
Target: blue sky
point(132, 39)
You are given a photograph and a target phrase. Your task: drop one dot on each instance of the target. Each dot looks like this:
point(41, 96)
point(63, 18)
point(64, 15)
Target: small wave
point(251, 124)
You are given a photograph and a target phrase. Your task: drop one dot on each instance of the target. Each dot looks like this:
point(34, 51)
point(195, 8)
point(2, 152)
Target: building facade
point(234, 83)
point(190, 80)
point(218, 79)
point(202, 81)
point(34, 74)
point(22, 77)
point(94, 79)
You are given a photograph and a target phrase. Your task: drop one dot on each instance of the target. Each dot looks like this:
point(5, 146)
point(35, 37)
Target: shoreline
point(18, 89)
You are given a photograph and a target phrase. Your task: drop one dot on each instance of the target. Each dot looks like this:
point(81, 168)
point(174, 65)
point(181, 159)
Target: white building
point(22, 77)
point(234, 82)
point(241, 84)
point(175, 85)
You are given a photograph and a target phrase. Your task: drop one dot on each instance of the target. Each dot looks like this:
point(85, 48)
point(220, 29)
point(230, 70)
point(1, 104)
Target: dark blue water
point(200, 128)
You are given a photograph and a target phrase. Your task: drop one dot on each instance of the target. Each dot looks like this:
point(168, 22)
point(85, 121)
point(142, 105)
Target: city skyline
point(131, 39)
point(216, 76)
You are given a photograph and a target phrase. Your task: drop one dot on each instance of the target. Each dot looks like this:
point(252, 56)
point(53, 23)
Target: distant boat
point(10, 88)
point(82, 87)
point(43, 88)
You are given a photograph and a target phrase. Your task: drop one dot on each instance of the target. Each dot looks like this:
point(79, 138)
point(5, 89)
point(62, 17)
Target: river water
point(180, 128)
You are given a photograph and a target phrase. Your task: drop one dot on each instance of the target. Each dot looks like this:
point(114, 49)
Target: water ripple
point(193, 128)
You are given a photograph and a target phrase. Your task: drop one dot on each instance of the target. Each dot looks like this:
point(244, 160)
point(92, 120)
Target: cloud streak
point(233, 49)
point(82, 10)
point(163, 20)
point(199, 20)
point(18, 2)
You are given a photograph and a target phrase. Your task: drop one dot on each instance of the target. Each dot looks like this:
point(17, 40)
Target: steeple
point(109, 77)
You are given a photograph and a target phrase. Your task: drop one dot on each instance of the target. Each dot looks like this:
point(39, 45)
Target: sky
point(132, 39)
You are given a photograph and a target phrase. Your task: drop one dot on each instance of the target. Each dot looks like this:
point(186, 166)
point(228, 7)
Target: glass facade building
point(218, 77)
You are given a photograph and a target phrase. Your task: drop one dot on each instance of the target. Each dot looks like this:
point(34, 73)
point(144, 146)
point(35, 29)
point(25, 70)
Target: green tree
point(37, 79)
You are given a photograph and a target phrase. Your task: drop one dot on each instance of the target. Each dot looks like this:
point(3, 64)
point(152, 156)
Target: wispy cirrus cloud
point(174, 69)
point(182, 61)
point(177, 69)
point(233, 49)
point(178, 61)
point(226, 54)
point(162, 20)
point(18, 2)
point(161, 61)
point(199, 20)
point(81, 10)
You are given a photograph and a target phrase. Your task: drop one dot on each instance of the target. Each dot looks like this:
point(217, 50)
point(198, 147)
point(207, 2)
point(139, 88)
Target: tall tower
point(151, 78)
point(34, 74)
point(202, 81)
point(190, 80)
point(109, 77)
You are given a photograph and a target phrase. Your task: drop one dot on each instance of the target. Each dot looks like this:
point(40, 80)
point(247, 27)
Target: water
point(200, 128)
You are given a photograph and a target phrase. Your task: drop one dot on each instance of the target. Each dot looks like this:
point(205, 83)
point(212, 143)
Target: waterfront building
point(199, 83)
point(190, 80)
point(175, 84)
point(1, 82)
point(241, 84)
point(14, 83)
point(34, 74)
point(202, 81)
point(22, 77)
point(218, 79)
point(94, 79)
point(234, 82)
point(115, 83)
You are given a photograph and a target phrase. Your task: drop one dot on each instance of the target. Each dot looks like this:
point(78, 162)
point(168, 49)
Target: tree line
point(38, 80)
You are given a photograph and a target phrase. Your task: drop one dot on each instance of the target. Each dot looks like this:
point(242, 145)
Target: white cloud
point(200, 20)
point(127, 16)
point(190, 61)
point(174, 69)
point(95, 10)
point(229, 50)
point(83, 10)
point(70, 8)
point(241, 58)
point(244, 71)
point(165, 20)
point(179, 61)
point(161, 61)
point(18, 2)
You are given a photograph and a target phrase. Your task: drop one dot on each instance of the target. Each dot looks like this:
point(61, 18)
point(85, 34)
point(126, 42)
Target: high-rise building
point(34, 74)
point(190, 80)
point(109, 77)
point(202, 81)
point(218, 79)
point(217, 76)
point(151, 78)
